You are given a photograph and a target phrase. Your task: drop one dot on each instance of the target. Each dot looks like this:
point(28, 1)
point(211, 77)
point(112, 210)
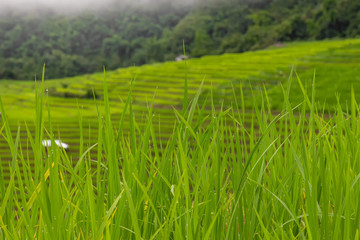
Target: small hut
point(181, 58)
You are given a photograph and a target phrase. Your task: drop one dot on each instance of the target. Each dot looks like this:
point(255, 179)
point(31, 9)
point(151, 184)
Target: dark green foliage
point(75, 45)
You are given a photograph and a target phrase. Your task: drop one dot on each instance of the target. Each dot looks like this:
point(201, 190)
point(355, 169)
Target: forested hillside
point(70, 45)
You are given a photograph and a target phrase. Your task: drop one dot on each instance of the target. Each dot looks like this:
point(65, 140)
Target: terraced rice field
point(246, 75)
point(224, 167)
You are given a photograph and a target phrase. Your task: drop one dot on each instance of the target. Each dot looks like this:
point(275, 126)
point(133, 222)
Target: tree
point(202, 45)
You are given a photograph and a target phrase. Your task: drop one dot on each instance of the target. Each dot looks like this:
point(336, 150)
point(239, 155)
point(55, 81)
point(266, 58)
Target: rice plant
point(293, 174)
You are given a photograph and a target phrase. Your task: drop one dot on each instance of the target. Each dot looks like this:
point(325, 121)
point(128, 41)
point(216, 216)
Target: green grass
point(249, 154)
point(253, 69)
point(286, 176)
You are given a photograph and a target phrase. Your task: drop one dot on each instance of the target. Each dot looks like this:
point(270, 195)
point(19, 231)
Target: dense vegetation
point(257, 145)
point(77, 44)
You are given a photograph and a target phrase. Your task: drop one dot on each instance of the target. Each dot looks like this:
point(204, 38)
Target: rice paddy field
point(259, 145)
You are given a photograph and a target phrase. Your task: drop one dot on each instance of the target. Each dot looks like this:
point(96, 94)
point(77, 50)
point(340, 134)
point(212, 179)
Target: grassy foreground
point(294, 175)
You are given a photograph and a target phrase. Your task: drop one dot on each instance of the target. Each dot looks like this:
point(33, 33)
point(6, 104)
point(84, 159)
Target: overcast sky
point(72, 5)
point(54, 4)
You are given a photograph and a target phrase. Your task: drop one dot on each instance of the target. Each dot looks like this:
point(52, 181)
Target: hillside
point(163, 84)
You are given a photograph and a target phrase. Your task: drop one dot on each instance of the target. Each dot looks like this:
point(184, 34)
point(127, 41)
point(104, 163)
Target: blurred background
point(78, 37)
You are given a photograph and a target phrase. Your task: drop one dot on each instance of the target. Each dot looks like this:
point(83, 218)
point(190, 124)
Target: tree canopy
point(76, 44)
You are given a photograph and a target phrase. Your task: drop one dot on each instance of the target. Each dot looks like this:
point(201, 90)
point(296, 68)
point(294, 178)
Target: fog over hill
point(52, 4)
point(72, 41)
point(71, 6)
